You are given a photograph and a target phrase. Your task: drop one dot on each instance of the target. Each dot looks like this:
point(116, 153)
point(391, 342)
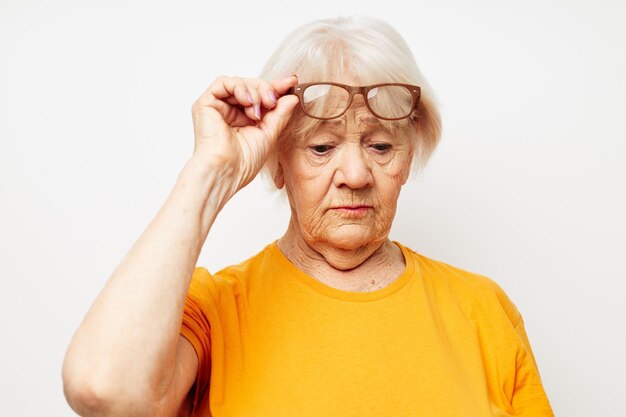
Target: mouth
point(352, 210)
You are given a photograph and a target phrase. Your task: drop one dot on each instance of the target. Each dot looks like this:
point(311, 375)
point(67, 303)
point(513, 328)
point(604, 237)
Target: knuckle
point(219, 80)
point(200, 104)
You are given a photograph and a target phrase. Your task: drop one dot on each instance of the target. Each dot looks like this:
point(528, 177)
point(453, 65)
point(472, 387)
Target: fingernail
point(249, 97)
point(272, 96)
point(257, 111)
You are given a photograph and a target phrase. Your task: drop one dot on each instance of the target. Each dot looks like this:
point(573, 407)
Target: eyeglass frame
point(415, 91)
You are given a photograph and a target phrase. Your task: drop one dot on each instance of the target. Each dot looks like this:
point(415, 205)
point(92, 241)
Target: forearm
point(126, 345)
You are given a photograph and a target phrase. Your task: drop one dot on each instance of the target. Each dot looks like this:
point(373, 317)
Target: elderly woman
point(333, 318)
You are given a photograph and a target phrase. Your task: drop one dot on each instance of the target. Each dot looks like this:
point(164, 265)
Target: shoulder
point(475, 289)
point(231, 278)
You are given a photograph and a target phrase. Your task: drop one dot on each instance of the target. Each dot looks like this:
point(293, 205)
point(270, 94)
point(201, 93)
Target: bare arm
point(127, 358)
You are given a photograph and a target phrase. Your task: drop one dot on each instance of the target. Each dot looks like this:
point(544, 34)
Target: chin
point(352, 237)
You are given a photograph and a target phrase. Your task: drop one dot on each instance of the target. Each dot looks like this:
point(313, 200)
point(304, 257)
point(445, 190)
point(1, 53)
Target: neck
point(366, 268)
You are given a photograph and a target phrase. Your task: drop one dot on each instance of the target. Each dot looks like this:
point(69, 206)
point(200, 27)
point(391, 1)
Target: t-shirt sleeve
point(196, 328)
point(529, 398)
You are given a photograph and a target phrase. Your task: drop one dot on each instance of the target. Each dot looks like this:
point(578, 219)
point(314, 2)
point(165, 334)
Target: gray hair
point(368, 50)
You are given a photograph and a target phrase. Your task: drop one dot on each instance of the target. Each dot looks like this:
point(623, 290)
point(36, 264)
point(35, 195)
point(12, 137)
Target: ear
point(279, 178)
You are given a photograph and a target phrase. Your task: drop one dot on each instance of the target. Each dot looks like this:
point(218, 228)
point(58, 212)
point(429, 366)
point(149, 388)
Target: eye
point(381, 147)
point(321, 149)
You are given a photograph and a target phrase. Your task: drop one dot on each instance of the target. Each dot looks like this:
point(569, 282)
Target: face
point(343, 181)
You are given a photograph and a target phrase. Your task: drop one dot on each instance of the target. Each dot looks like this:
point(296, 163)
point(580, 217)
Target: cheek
point(394, 175)
point(389, 182)
point(307, 194)
point(387, 198)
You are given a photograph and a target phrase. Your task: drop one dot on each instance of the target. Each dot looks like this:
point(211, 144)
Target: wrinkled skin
point(343, 184)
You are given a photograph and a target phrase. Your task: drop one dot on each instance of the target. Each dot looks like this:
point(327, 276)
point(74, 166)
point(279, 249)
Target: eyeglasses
point(328, 100)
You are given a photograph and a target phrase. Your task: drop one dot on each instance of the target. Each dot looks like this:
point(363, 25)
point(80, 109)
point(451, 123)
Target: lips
point(351, 207)
point(352, 210)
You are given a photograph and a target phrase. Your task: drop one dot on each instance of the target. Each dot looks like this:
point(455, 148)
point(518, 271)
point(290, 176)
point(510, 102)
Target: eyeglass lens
point(328, 101)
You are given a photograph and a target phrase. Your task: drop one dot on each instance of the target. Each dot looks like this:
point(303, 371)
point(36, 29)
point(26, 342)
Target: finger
point(233, 99)
point(279, 86)
point(253, 104)
point(240, 118)
point(267, 94)
point(255, 110)
point(233, 115)
point(276, 119)
point(227, 88)
point(282, 85)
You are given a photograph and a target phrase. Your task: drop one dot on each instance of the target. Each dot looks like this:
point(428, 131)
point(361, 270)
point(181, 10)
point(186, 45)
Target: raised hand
point(237, 121)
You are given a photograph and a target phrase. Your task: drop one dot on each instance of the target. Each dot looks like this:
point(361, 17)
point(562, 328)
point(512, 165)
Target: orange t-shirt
point(437, 342)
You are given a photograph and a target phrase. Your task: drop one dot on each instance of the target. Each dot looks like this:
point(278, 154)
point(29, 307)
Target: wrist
point(205, 169)
point(202, 188)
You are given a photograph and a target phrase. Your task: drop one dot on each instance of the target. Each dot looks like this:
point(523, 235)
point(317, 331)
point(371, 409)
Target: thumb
point(276, 120)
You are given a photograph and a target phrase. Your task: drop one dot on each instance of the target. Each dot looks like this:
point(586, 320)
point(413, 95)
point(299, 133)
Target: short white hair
point(370, 51)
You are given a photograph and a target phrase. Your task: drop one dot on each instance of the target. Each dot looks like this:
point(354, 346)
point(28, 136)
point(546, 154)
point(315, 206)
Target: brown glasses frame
point(415, 90)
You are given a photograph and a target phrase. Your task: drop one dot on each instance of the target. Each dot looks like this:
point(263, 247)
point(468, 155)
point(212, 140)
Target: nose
point(353, 169)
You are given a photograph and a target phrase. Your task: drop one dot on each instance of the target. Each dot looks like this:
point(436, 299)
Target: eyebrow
point(332, 122)
point(333, 129)
point(367, 119)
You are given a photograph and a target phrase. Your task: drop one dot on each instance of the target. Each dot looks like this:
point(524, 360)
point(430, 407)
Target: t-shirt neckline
point(291, 270)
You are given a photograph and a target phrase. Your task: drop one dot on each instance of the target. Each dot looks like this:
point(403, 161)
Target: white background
point(527, 186)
